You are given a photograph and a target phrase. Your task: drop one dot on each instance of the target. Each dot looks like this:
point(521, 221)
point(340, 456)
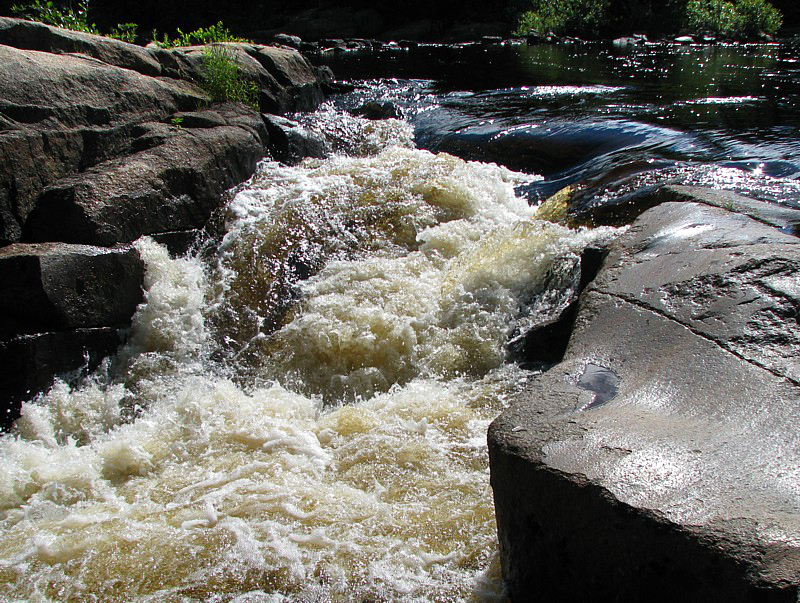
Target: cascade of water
point(303, 413)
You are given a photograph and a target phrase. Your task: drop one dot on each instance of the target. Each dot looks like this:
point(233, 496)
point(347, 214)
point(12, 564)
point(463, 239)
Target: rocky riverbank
point(658, 460)
point(102, 142)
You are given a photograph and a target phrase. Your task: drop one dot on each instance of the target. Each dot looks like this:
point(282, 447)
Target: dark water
point(617, 120)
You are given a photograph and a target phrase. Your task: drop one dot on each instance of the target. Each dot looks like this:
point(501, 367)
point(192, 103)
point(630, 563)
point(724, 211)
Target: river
point(300, 410)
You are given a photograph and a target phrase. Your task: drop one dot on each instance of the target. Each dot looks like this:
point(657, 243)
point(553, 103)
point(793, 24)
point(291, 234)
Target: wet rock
point(70, 112)
point(56, 287)
point(545, 341)
point(286, 80)
point(657, 460)
point(533, 38)
point(174, 183)
point(102, 142)
point(627, 41)
point(31, 363)
point(379, 110)
point(288, 40)
point(623, 200)
point(45, 91)
point(780, 216)
point(290, 143)
point(62, 308)
point(71, 101)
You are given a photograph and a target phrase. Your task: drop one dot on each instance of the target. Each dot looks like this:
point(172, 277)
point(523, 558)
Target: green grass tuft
point(223, 80)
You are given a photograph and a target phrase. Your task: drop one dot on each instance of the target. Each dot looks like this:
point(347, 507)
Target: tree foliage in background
point(745, 18)
point(579, 17)
point(740, 18)
point(711, 16)
point(758, 16)
point(51, 13)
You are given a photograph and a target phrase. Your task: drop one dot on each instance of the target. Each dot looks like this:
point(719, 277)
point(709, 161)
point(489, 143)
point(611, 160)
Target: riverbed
point(300, 410)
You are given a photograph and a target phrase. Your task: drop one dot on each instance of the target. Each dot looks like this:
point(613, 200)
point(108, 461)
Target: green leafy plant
point(125, 32)
point(758, 16)
point(745, 18)
point(716, 17)
point(223, 80)
point(177, 121)
point(51, 13)
point(204, 35)
point(580, 17)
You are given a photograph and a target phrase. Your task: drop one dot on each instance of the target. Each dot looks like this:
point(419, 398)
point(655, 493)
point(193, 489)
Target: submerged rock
point(383, 109)
point(659, 460)
point(290, 143)
point(31, 363)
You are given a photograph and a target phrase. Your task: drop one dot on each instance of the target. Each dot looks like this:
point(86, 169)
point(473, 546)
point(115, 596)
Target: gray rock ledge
point(660, 460)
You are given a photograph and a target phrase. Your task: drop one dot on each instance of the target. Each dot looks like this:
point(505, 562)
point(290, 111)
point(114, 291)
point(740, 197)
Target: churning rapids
point(300, 410)
point(300, 413)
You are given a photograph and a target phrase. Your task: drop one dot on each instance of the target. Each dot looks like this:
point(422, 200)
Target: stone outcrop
point(173, 183)
point(72, 102)
point(57, 287)
point(102, 142)
point(659, 460)
point(65, 113)
point(286, 81)
point(779, 216)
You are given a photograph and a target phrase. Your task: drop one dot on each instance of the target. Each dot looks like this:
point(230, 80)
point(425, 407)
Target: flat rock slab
point(30, 35)
point(660, 460)
point(785, 218)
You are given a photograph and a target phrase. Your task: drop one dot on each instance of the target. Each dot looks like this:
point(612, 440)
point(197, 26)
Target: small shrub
point(204, 35)
point(51, 13)
point(125, 32)
point(223, 80)
point(580, 17)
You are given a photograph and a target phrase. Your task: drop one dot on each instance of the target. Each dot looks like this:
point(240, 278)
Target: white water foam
point(344, 459)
